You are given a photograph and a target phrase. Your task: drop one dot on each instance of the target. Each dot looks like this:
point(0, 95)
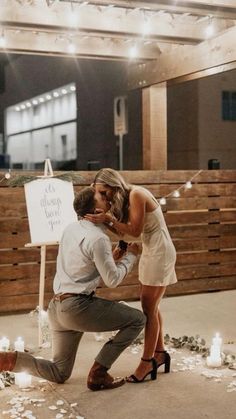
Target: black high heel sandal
point(152, 373)
point(165, 362)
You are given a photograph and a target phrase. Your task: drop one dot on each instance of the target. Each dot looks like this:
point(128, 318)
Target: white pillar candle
point(4, 344)
point(217, 340)
point(22, 379)
point(43, 317)
point(19, 344)
point(214, 359)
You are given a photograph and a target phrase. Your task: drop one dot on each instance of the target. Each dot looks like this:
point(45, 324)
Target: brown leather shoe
point(99, 379)
point(7, 361)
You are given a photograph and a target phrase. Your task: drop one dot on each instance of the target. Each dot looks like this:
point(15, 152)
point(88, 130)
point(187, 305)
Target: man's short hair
point(84, 201)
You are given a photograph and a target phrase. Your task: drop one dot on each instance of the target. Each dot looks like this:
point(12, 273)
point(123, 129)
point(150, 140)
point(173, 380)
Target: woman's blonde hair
point(120, 201)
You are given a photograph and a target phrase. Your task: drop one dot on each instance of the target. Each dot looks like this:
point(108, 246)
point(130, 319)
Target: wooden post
point(155, 127)
point(41, 290)
point(48, 172)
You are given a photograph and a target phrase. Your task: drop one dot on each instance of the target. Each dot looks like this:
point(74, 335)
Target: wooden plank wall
point(202, 223)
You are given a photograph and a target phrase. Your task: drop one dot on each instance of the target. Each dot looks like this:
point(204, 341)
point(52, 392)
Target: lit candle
point(4, 344)
point(217, 340)
point(214, 360)
point(43, 317)
point(22, 379)
point(19, 344)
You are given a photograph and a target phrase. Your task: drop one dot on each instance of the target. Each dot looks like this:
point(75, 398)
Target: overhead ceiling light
point(2, 41)
point(73, 18)
point(71, 48)
point(210, 28)
point(133, 51)
point(146, 27)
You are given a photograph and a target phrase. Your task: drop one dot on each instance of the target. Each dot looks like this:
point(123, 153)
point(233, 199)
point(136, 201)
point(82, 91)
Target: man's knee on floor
point(62, 377)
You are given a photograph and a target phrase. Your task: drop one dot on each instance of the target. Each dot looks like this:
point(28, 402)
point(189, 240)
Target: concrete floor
point(183, 393)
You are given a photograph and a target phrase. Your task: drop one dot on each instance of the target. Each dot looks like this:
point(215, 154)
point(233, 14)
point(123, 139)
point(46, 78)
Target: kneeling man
point(84, 257)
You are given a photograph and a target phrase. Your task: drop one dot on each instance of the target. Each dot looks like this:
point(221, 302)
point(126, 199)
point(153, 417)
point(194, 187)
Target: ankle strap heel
point(153, 373)
point(166, 360)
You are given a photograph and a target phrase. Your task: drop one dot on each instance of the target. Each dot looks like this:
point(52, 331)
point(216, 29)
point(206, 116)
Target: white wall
point(42, 139)
point(19, 148)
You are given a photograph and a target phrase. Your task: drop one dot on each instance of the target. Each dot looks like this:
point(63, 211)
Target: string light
point(163, 201)
point(176, 192)
point(6, 176)
point(188, 185)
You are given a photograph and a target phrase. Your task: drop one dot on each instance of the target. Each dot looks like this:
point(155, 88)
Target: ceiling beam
point(225, 9)
point(187, 61)
point(112, 23)
point(51, 44)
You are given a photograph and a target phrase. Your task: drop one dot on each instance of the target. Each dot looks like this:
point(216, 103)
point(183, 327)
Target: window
point(229, 106)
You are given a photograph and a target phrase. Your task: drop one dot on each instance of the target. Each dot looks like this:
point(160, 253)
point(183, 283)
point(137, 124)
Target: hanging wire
point(176, 192)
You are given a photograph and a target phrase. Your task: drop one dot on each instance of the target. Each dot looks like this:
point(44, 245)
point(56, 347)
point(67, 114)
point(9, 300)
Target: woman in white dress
point(135, 211)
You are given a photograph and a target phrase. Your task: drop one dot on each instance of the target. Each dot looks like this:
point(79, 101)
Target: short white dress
point(157, 261)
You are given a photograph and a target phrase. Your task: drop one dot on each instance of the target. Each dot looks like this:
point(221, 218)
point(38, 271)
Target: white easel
point(48, 172)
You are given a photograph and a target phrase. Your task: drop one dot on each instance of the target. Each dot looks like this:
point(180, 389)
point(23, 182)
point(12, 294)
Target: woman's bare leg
point(160, 341)
point(150, 299)
point(160, 347)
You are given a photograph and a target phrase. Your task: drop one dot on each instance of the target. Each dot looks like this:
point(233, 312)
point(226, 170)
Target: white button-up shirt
point(85, 256)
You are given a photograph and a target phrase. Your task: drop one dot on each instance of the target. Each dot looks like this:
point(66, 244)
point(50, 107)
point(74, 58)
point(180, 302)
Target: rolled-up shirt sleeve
point(111, 273)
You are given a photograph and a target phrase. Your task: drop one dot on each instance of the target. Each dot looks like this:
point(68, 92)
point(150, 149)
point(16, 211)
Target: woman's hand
point(98, 218)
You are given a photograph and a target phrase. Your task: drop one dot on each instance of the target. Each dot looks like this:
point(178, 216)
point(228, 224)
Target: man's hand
point(133, 248)
point(118, 252)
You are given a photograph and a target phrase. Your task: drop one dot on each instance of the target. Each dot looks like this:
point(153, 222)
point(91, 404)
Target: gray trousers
point(72, 317)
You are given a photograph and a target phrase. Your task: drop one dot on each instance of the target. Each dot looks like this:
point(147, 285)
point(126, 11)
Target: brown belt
point(61, 297)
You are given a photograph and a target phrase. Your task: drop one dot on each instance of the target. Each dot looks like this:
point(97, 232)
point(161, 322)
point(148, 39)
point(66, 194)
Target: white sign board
point(50, 209)
point(120, 115)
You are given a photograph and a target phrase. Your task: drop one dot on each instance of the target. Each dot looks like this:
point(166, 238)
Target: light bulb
point(163, 201)
point(7, 175)
point(146, 28)
point(188, 184)
point(71, 48)
point(2, 41)
point(210, 29)
point(176, 194)
point(73, 18)
point(133, 52)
